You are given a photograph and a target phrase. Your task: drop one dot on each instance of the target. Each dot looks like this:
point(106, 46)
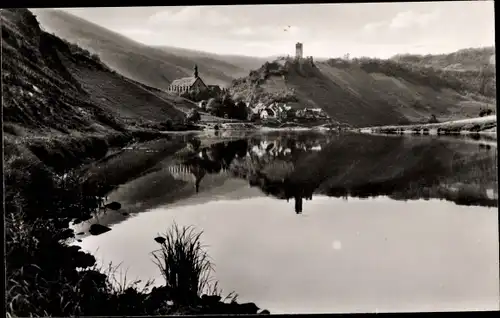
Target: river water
point(318, 223)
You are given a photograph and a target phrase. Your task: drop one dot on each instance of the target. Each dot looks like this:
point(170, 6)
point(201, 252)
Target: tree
point(214, 106)
point(240, 111)
point(193, 116)
point(253, 117)
point(167, 125)
point(485, 112)
point(433, 119)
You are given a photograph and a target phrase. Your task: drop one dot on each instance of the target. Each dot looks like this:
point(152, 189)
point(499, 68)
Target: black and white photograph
point(300, 158)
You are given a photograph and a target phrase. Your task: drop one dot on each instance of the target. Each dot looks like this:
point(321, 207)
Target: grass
point(184, 264)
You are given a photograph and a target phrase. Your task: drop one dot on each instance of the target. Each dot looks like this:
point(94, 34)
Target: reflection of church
point(194, 173)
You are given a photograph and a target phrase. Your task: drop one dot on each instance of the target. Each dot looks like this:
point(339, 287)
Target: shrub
point(253, 117)
point(193, 116)
point(167, 125)
point(485, 112)
point(433, 119)
point(213, 105)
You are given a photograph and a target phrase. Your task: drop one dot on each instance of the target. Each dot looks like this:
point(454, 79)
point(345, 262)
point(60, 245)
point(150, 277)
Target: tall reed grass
point(184, 264)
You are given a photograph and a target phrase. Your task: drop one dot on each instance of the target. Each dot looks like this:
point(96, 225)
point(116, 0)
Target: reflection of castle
point(299, 199)
point(284, 189)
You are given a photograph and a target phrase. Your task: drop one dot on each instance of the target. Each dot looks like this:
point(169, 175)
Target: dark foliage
point(193, 116)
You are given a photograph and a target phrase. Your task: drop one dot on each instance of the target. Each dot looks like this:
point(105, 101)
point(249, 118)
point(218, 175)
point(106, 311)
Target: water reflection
point(297, 167)
point(437, 255)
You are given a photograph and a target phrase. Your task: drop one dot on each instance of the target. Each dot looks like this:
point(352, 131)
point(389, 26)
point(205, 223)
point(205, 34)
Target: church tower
point(195, 71)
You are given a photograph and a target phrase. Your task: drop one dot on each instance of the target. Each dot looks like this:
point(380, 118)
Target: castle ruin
point(299, 50)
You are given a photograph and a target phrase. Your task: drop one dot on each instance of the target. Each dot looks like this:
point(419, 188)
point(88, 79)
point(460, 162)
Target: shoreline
point(79, 153)
point(479, 126)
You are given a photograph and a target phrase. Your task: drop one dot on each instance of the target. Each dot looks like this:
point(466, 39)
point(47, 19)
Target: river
point(319, 223)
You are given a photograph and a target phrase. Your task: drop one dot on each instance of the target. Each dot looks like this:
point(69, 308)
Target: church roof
point(184, 81)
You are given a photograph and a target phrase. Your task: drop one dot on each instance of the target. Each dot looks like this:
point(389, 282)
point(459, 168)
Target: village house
point(188, 84)
point(274, 110)
point(311, 113)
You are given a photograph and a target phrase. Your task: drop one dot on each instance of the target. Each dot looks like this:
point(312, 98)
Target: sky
point(326, 30)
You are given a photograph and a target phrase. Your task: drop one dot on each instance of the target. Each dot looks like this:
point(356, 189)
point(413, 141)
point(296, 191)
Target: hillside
point(474, 67)
point(153, 66)
point(364, 92)
point(50, 84)
point(471, 59)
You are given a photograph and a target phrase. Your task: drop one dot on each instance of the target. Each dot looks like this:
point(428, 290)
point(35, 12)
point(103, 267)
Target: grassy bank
point(481, 125)
point(48, 277)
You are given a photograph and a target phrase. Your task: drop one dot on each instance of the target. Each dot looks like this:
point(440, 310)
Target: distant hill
point(153, 66)
point(474, 67)
point(50, 84)
point(471, 59)
point(366, 92)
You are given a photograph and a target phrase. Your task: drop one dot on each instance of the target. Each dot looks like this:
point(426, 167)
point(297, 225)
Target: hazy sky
point(327, 30)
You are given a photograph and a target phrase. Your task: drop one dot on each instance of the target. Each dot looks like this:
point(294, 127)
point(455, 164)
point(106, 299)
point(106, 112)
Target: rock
point(113, 206)
point(80, 233)
point(160, 240)
point(248, 308)
point(125, 213)
point(210, 299)
point(264, 312)
point(97, 229)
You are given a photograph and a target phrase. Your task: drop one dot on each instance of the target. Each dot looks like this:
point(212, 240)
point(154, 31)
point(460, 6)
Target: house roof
point(184, 81)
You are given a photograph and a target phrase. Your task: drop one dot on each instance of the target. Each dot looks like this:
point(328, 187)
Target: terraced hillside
point(153, 66)
point(474, 67)
point(363, 92)
point(52, 85)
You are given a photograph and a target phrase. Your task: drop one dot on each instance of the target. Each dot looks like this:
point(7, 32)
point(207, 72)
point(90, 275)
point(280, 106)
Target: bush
point(253, 117)
point(167, 125)
point(193, 116)
point(485, 112)
point(433, 119)
point(240, 111)
point(213, 105)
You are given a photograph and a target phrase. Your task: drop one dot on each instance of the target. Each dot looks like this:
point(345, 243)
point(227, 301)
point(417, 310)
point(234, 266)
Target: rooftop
point(184, 81)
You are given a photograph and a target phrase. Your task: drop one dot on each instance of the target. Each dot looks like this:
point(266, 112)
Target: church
point(188, 84)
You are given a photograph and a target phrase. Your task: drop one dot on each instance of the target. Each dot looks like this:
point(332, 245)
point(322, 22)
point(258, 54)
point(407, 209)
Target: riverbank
point(484, 126)
point(49, 184)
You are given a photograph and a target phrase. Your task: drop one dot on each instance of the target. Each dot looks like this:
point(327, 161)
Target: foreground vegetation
point(46, 276)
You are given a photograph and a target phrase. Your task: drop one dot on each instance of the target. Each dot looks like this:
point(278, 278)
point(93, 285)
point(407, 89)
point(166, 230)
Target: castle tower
point(196, 71)
point(298, 50)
